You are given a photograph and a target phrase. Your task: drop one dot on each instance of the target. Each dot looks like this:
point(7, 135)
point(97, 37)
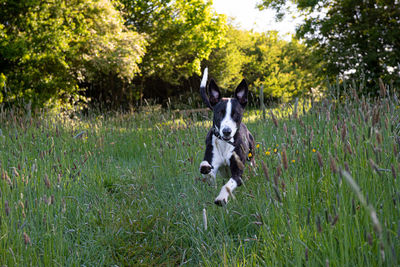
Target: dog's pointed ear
point(241, 93)
point(214, 93)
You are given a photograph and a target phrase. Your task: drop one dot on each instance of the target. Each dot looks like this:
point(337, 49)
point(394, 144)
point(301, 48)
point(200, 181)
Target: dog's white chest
point(222, 152)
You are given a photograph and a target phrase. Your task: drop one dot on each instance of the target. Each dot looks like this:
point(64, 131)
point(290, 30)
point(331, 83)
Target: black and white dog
point(229, 142)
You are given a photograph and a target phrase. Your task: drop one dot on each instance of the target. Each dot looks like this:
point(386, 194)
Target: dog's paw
point(222, 198)
point(205, 167)
point(220, 202)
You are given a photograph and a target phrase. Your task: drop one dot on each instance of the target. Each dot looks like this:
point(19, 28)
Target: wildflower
point(293, 160)
point(277, 145)
point(267, 153)
point(258, 145)
point(275, 150)
point(250, 155)
point(313, 150)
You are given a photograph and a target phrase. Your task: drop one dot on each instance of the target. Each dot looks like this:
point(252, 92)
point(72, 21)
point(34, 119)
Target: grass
point(124, 189)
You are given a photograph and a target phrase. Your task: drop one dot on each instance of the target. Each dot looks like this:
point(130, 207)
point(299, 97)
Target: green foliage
point(180, 34)
point(48, 48)
point(226, 63)
point(284, 69)
point(351, 38)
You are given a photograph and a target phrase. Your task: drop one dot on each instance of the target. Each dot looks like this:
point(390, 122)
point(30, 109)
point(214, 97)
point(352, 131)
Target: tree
point(351, 38)
point(180, 34)
point(48, 47)
point(226, 63)
point(284, 69)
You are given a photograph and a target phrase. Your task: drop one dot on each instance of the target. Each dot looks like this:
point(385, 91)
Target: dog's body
point(229, 142)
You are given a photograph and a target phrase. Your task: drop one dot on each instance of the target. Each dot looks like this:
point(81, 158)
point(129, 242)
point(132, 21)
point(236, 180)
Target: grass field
point(125, 190)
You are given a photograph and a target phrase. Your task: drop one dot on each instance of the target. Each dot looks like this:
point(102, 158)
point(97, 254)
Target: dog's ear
point(214, 93)
point(242, 92)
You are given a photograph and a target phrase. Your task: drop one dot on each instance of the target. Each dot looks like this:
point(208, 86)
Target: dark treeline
point(117, 53)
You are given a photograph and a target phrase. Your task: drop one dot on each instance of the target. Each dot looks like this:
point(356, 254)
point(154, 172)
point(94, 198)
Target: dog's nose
point(226, 131)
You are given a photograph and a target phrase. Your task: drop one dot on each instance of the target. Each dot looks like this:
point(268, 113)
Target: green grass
point(127, 191)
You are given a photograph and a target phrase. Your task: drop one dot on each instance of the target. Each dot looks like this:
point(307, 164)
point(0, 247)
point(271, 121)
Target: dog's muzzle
point(226, 133)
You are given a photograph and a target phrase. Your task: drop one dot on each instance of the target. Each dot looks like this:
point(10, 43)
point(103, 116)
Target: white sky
point(250, 18)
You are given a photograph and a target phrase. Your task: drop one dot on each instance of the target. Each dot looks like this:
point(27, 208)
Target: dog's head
point(228, 112)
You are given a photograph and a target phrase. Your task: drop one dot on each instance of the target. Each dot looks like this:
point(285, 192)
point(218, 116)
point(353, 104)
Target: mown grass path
point(125, 189)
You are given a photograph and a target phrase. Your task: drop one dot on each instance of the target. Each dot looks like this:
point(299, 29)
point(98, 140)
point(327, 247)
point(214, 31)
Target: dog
point(229, 142)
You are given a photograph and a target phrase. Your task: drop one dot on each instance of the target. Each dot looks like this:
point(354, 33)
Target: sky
point(250, 18)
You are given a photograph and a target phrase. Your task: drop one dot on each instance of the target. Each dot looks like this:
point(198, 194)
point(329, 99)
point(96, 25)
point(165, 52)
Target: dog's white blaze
point(228, 187)
point(204, 80)
point(228, 122)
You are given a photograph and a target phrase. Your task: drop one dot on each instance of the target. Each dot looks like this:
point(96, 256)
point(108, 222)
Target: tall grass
point(125, 189)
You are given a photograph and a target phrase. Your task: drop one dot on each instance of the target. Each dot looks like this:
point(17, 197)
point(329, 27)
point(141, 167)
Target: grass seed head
point(369, 239)
point(285, 129)
point(205, 219)
point(335, 220)
point(373, 165)
point(319, 159)
point(306, 253)
point(273, 118)
point(15, 172)
point(348, 148)
point(378, 137)
point(27, 239)
point(6, 208)
point(278, 171)
point(284, 159)
point(294, 131)
point(278, 195)
point(47, 181)
point(344, 132)
point(346, 167)
point(333, 165)
point(382, 87)
point(375, 116)
point(265, 170)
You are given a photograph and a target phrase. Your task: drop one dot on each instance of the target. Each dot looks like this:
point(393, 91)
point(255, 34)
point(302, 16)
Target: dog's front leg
point(231, 185)
point(208, 168)
point(226, 190)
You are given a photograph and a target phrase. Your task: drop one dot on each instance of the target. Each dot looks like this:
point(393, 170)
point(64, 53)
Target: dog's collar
point(216, 134)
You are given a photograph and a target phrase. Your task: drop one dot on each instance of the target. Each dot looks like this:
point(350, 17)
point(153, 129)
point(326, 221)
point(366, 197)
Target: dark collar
point(216, 133)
